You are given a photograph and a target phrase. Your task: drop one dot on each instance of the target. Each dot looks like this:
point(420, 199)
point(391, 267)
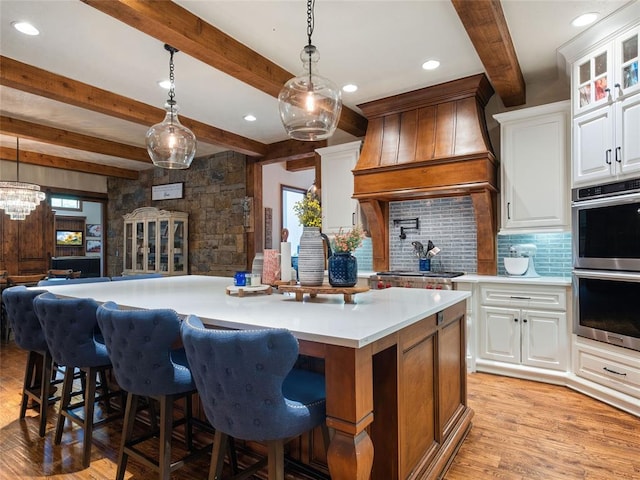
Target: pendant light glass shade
point(310, 104)
point(18, 199)
point(169, 143)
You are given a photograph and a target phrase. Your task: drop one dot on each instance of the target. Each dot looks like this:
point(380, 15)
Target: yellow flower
point(309, 211)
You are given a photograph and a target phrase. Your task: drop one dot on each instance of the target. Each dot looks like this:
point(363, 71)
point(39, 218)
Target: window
point(65, 203)
point(289, 196)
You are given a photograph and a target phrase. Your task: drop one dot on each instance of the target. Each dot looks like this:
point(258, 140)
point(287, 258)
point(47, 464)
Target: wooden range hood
point(427, 143)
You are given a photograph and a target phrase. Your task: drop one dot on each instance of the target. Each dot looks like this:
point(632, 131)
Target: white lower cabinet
point(527, 337)
point(607, 365)
point(522, 328)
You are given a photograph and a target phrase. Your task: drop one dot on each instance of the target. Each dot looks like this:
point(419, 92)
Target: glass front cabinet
point(155, 241)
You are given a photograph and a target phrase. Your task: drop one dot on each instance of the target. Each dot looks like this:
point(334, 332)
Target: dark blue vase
point(343, 270)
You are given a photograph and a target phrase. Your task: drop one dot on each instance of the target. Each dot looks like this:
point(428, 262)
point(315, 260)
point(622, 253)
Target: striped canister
point(311, 257)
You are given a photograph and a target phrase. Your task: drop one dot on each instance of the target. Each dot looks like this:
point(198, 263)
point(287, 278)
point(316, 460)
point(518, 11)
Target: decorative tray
point(242, 291)
point(299, 290)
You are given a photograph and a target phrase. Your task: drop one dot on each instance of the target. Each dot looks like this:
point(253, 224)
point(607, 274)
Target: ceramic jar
point(343, 269)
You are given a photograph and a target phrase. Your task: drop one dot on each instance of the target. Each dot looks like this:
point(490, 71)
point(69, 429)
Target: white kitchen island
point(394, 362)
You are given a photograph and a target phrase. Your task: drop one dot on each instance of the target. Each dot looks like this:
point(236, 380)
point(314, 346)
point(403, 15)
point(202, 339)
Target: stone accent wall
point(214, 189)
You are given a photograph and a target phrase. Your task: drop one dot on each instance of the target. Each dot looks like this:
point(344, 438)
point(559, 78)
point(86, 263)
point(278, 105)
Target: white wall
point(273, 176)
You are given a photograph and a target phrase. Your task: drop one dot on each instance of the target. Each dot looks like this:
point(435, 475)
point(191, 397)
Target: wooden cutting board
point(300, 291)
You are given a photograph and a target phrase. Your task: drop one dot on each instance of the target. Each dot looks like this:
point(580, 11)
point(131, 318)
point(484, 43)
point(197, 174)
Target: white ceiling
point(378, 45)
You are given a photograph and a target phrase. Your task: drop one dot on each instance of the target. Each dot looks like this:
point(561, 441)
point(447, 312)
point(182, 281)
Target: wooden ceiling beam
point(52, 161)
point(63, 138)
point(40, 82)
point(193, 36)
point(289, 150)
point(488, 30)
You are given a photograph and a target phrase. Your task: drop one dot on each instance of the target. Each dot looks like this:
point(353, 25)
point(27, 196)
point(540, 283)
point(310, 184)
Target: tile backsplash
point(450, 224)
point(553, 256)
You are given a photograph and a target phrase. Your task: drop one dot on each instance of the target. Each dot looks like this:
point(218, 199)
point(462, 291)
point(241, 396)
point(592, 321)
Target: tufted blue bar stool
point(29, 336)
point(250, 390)
point(69, 326)
point(145, 363)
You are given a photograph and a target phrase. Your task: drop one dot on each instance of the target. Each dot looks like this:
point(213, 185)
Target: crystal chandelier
point(309, 104)
point(169, 143)
point(19, 199)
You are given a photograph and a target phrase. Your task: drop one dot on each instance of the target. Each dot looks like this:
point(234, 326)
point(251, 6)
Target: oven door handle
point(614, 200)
point(607, 275)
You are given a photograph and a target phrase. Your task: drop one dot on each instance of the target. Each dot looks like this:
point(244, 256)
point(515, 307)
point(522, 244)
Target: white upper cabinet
point(607, 73)
point(606, 110)
point(339, 210)
point(534, 169)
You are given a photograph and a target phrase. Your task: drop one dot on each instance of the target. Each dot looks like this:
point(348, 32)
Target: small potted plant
point(343, 266)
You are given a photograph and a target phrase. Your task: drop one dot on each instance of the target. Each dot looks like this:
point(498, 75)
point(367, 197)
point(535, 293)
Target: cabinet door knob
point(524, 320)
point(515, 319)
point(620, 92)
point(607, 156)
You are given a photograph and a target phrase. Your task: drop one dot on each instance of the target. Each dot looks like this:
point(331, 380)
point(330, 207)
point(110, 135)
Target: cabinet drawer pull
point(515, 297)
point(613, 371)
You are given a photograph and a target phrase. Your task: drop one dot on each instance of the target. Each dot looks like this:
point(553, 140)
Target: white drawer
point(524, 297)
point(621, 374)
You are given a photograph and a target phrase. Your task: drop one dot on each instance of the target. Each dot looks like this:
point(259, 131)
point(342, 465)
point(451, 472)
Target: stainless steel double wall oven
point(606, 253)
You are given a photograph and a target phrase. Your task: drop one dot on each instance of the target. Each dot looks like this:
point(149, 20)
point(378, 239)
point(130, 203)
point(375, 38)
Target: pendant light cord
point(310, 25)
point(17, 159)
point(310, 18)
point(172, 91)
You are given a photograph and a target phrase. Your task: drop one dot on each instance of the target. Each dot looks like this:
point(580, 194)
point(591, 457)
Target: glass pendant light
point(310, 104)
point(18, 199)
point(169, 143)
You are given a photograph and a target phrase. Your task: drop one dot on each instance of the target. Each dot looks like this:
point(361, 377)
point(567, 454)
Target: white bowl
point(516, 265)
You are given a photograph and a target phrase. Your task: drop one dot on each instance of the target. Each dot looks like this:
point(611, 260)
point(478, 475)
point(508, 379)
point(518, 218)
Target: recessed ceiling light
point(431, 64)
point(26, 28)
point(584, 19)
point(350, 88)
point(250, 118)
point(166, 84)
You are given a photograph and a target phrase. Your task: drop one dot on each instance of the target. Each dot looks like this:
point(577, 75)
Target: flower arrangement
point(347, 242)
point(309, 211)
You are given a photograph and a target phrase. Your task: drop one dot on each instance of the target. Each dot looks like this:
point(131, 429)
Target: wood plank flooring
point(522, 430)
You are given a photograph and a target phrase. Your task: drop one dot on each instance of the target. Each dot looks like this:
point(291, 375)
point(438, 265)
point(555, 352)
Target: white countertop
point(325, 319)
point(473, 278)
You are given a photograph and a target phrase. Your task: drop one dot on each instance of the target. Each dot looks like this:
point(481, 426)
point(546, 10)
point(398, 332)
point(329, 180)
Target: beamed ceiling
point(81, 95)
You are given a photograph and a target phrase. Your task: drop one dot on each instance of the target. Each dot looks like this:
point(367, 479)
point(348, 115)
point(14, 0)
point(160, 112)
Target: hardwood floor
point(522, 430)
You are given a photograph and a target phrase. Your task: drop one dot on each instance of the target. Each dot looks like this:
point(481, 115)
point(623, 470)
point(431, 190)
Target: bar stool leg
point(67, 384)
point(127, 433)
point(217, 455)
point(166, 429)
point(89, 407)
point(29, 374)
point(45, 385)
